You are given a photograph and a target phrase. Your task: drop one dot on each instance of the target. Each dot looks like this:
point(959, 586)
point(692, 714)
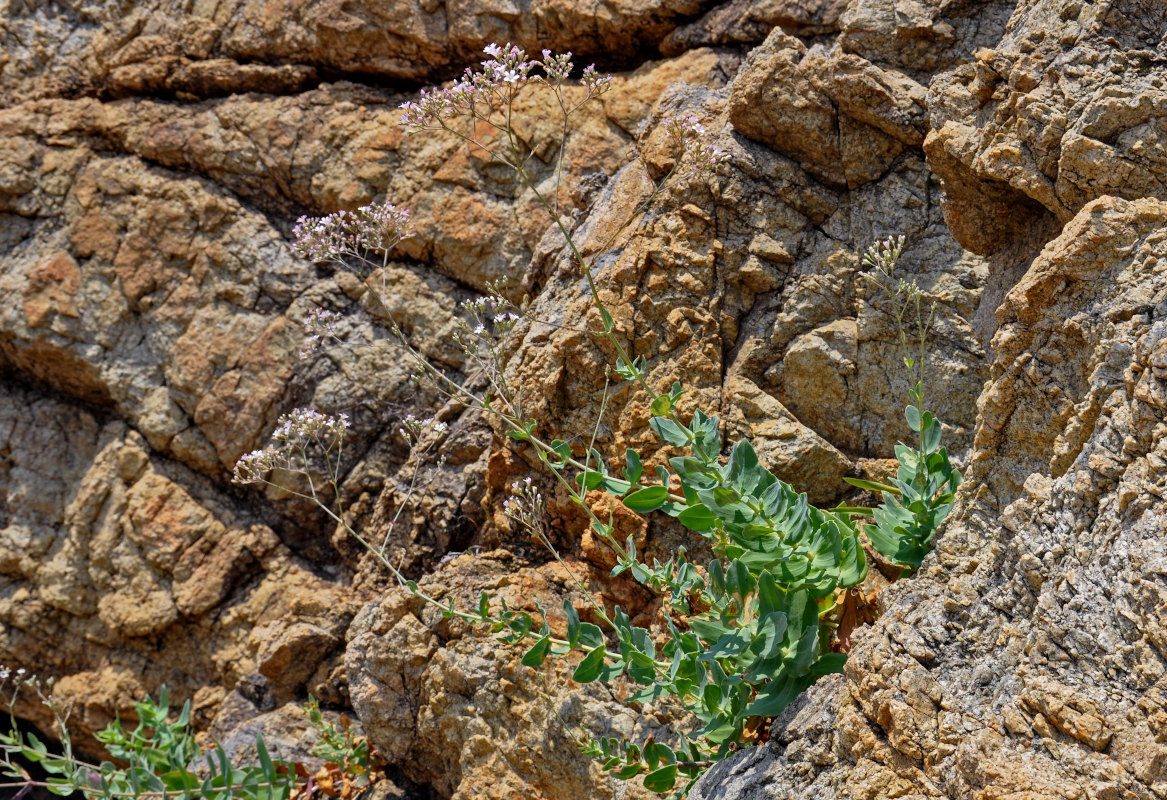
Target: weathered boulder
point(749, 21)
point(108, 543)
point(843, 119)
point(199, 50)
point(154, 157)
point(1024, 660)
point(1068, 106)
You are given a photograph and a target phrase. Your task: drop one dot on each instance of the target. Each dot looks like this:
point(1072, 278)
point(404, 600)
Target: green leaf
point(743, 461)
point(709, 630)
point(662, 474)
point(777, 695)
point(698, 518)
point(635, 466)
point(913, 415)
point(562, 449)
point(661, 780)
point(647, 499)
point(723, 731)
point(661, 406)
point(630, 771)
point(669, 431)
point(829, 664)
point(859, 511)
point(932, 439)
point(179, 780)
point(590, 668)
point(589, 479)
point(572, 622)
point(615, 486)
point(521, 623)
point(538, 653)
point(725, 496)
point(590, 636)
point(265, 763)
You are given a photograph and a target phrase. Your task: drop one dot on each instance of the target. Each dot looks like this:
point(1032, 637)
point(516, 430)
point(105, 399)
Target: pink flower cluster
point(884, 254)
point(319, 326)
point(693, 144)
point(414, 429)
point(304, 424)
point(476, 94)
point(375, 227)
point(525, 506)
point(294, 431)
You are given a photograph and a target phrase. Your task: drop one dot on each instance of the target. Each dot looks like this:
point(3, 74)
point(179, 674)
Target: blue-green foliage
point(749, 638)
point(918, 499)
point(161, 759)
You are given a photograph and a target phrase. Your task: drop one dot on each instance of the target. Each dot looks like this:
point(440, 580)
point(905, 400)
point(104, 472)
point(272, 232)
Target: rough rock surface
point(1026, 659)
point(154, 157)
point(200, 49)
point(437, 693)
point(111, 544)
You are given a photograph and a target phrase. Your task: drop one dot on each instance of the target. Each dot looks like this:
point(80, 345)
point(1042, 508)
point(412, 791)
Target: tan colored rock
point(103, 541)
point(749, 21)
point(788, 448)
point(459, 712)
point(144, 246)
point(207, 50)
point(1038, 600)
point(1062, 110)
point(841, 117)
point(921, 37)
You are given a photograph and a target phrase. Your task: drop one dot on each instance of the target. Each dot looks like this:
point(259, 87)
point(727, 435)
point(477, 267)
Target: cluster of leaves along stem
point(918, 498)
point(748, 638)
point(161, 760)
point(350, 762)
point(751, 629)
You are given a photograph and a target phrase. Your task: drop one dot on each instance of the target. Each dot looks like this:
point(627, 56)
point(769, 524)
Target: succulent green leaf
point(647, 499)
point(829, 664)
point(590, 668)
point(572, 622)
point(535, 656)
point(661, 780)
point(872, 486)
point(698, 518)
point(590, 636)
point(669, 431)
point(635, 467)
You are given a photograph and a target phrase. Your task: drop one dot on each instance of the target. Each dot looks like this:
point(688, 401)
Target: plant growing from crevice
point(921, 495)
point(742, 635)
point(350, 762)
point(747, 632)
point(158, 760)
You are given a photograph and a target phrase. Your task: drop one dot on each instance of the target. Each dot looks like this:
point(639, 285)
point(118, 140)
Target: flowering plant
point(744, 633)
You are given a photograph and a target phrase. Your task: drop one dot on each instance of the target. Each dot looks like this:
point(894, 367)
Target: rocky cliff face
point(154, 157)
